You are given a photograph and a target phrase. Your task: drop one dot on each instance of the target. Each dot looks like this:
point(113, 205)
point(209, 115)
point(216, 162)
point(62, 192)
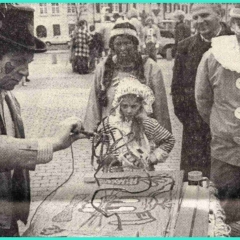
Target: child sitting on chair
point(139, 140)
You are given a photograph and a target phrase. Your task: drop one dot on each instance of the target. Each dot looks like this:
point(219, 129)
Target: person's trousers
point(92, 59)
point(151, 51)
point(80, 64)
point(226, 178)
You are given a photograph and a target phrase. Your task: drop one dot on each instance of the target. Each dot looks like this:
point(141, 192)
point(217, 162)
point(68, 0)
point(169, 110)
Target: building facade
point(58, 19)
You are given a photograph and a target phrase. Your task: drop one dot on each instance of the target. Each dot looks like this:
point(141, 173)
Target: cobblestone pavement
point(55, 93)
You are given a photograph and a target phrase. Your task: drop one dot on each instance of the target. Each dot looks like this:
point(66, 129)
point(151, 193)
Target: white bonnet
point(131, 85)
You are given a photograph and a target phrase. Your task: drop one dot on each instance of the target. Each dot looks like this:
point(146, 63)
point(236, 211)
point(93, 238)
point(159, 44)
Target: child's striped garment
point(158, 134)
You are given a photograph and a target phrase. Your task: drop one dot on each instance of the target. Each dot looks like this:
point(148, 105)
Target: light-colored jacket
point(153, 74)
point(217, 96)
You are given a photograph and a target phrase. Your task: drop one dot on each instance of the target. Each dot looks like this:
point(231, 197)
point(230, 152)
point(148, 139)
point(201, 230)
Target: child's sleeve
point(163, 139)
point(160, 135)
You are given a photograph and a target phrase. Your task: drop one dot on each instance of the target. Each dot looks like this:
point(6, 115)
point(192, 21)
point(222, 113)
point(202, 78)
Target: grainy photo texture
point(119, 120)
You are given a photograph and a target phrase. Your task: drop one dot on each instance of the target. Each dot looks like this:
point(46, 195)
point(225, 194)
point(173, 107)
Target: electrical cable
point(73, 169)
point(100, 166)
point(119, 190)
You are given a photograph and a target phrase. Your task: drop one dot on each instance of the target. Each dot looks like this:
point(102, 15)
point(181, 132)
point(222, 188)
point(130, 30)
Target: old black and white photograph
point(119, 120)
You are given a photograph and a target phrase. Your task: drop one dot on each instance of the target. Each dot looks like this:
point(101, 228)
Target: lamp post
point(94, 14)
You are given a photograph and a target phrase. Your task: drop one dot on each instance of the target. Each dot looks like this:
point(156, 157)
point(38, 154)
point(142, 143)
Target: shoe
point(28, 80)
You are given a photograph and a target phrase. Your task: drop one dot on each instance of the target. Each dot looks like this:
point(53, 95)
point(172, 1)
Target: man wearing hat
point(217, 98)
point(151, 38)
point(196, 133)
point(181, 30)
point(125, 60)
point(19, 155)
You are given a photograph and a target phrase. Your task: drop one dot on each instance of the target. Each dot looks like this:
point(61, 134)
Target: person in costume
point(125, 60)
point(218, 102)
point(141, 141)
point(151, 38)
point(19, 156)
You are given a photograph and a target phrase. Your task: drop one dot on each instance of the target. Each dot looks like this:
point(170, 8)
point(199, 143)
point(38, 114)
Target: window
point(71, 8)
point(120, 7)
point(71, 28)
point(176, 6)
point(168, 7)
point(185, 8)
point(97, 7)
point(55, 8)
point(43, 8)
point(115, 7)
point(110, 5)
point(56, 30)
point(41, 31)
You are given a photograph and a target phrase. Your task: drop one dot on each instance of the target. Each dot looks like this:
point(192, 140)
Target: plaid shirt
point(81, 42)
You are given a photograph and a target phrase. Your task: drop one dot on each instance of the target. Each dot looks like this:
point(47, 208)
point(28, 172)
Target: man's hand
point(67, 133)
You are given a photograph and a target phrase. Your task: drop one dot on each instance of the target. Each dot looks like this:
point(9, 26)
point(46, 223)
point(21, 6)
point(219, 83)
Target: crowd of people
point(128, 94)
point(88, 46)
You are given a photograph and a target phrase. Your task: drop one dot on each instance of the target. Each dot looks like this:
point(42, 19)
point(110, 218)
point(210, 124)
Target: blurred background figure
point(133, 19)
point(182, 30)
point(105, 31)
point(80, 48)
point(151, 36)
point(95, 48)
point(143, 15)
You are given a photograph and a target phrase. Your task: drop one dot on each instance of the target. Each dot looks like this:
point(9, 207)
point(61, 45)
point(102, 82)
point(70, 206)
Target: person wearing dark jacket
point(95, 47)
point(182, 30)
point(196, 133)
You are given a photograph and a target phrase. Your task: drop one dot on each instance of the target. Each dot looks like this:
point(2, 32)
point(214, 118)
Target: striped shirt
point(158, 134)
point(154, 132)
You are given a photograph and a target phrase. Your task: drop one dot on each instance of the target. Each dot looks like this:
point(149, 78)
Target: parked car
point(166, 28)
point(56, 40)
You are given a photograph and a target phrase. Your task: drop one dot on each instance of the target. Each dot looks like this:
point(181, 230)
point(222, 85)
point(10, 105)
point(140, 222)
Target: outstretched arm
point(26, 153)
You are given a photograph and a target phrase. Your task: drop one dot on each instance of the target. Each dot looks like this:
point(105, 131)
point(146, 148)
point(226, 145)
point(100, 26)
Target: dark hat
point(123, 28)
point(16, 27)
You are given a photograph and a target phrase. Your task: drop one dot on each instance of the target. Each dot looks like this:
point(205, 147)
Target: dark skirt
point(80, 65)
